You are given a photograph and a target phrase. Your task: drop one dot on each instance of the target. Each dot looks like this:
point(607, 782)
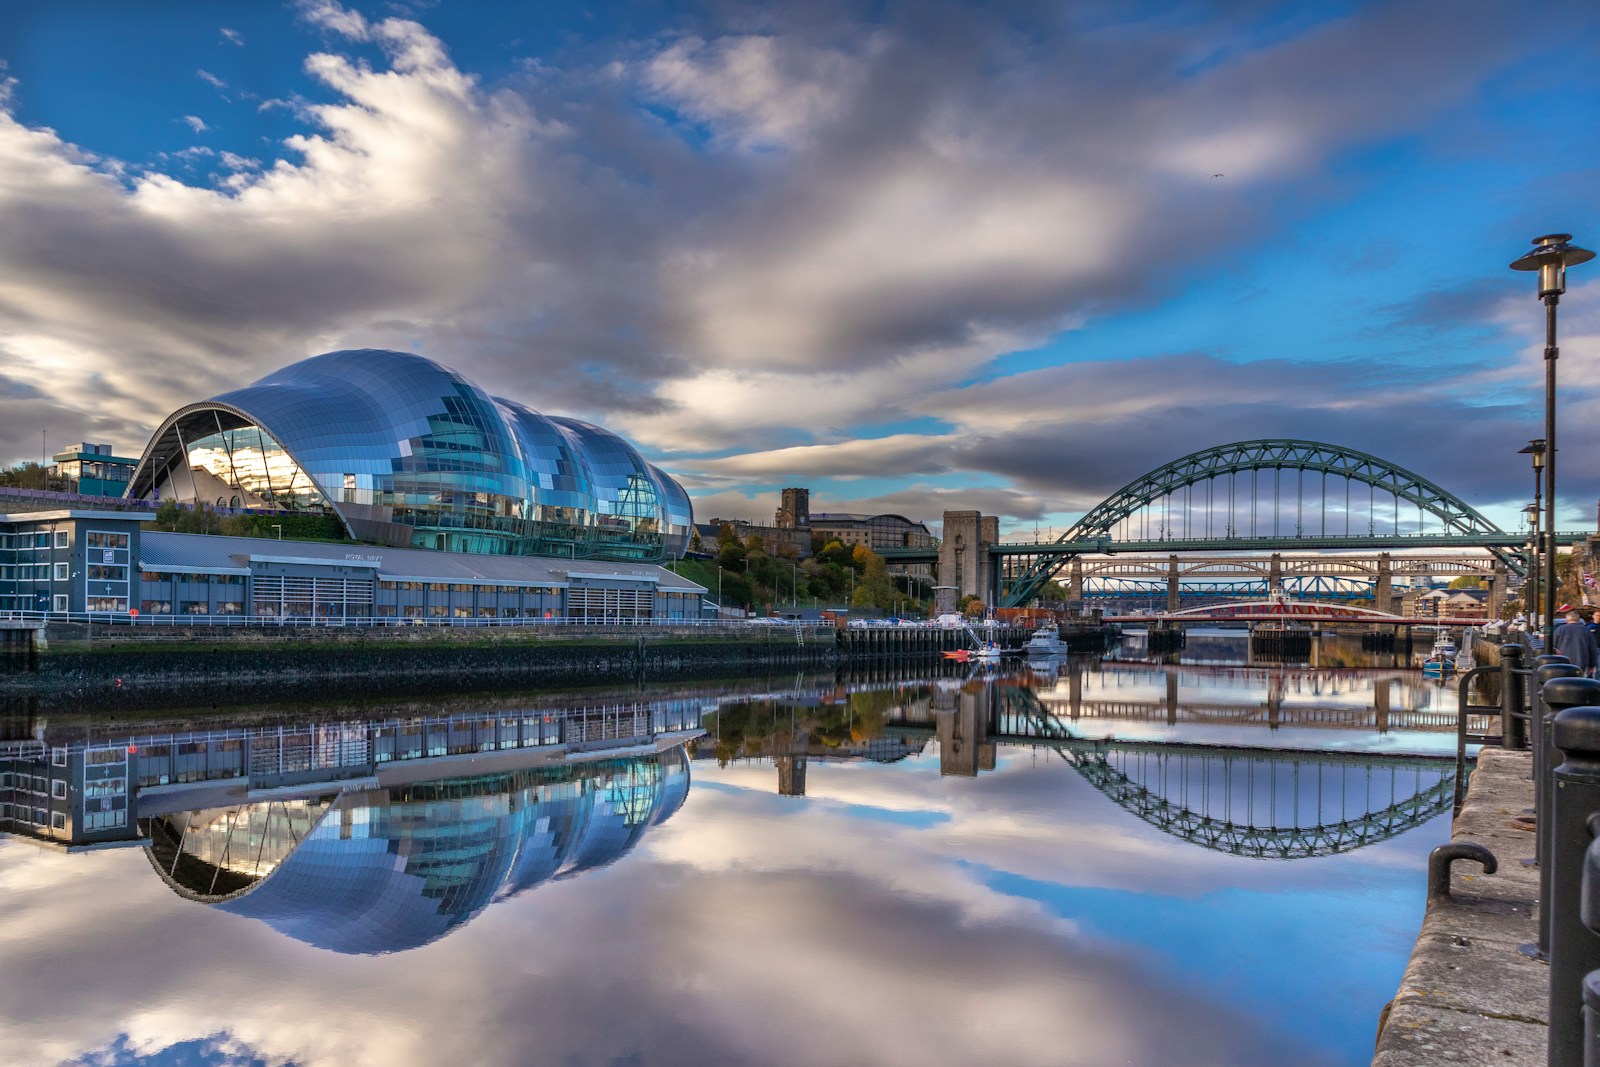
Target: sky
point(913, 255)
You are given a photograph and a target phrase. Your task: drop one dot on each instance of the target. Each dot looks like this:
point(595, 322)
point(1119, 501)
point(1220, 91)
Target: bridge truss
point(1262, 495)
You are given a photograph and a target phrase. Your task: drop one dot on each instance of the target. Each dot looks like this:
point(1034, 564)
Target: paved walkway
point(1468, 996)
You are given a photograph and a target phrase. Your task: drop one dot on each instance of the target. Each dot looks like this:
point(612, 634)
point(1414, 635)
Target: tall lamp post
point(1531, 602)
point(1551, 256)
point(1535, 450)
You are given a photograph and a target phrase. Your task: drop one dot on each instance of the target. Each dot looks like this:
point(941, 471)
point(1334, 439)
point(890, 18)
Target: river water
point(1080, 862)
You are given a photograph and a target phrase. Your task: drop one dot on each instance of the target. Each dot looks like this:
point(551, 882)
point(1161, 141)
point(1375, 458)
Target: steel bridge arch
point(1267, 454)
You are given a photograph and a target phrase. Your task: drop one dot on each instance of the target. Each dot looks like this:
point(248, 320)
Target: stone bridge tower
point(965, 567)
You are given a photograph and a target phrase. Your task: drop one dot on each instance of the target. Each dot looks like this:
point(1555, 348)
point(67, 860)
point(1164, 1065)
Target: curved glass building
point(385, 870)
point(407, 452)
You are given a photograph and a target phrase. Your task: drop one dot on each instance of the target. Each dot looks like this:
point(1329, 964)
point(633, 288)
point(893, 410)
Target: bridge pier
point(1496, 583)
point(1275, 576)
point(965, 565)
point(1383, 591)
point(1075, 589)
point(1172, 583)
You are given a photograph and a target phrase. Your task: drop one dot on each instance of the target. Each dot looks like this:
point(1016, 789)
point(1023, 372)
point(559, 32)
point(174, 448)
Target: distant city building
point(408, 453)
point(875, 531)
point(92, 470)
point(795, 511)
point(795, 525)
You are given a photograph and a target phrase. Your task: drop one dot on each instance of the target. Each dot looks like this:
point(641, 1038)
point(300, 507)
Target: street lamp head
point(1536, 450)
point(1551, 256)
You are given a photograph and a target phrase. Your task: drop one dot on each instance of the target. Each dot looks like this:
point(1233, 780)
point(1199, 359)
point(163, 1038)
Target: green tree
point(1467, 581)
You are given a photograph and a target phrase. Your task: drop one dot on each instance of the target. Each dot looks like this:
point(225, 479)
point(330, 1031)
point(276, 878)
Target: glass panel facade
point(408, 452)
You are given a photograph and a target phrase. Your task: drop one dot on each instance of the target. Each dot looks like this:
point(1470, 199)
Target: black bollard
point(1589, 911)
point(1549, 657)
point(1574, 949)
point(1512, 734)
point(1562, 690)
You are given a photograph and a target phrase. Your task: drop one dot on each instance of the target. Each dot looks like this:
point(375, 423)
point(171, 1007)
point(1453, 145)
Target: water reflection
point(383, 870)
point(1262, 803)
point(986, 840)
point(364, 836)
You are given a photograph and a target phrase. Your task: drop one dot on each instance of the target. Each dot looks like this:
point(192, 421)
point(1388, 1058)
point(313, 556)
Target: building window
point(156, 607)
point(58, 789)
point(100, 539)
point(101, 603)
point(196, 607)
point(61, 539)
point(58, 757)
point(58, 821)
point(59, 602)
point(61, 571)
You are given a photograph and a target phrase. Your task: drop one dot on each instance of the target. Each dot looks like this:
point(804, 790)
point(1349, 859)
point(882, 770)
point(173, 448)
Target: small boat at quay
point(1045, 641)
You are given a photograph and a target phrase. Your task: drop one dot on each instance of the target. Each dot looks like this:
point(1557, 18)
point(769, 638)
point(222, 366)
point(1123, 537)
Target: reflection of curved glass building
point(410, 453)
point(391, 869)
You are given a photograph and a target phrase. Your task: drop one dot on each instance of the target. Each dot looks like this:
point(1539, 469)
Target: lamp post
point(1535, 451)
point(279, 527)
point(1552, 254)
point(1532, 601)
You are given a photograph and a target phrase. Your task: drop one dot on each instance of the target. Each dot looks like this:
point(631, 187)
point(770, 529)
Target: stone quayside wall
point(590, 657)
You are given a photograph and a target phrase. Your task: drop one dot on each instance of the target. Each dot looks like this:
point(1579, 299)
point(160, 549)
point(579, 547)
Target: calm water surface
point(1089, 863)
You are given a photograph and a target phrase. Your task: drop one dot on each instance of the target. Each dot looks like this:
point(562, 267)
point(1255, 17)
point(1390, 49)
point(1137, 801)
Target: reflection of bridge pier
point(1380, 703)
point(1172, 698)
point(963, 734)
point(790, 758)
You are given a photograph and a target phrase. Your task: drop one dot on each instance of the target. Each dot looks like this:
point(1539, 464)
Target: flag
point(1588, 580)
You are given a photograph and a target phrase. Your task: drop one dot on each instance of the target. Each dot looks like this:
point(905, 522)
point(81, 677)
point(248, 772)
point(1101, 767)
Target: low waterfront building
point(72, 562)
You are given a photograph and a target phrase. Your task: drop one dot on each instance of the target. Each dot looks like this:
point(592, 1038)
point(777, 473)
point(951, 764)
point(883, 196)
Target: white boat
point(988, 652)
point(1045, 641)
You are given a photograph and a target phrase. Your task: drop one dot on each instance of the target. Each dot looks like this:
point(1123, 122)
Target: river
point(1081, 862)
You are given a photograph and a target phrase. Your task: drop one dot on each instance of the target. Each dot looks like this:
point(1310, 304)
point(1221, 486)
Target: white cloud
point(196, 123)
point(232, 36)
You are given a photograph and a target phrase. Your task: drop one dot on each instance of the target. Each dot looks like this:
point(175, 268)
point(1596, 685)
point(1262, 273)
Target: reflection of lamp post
point(1551, 256)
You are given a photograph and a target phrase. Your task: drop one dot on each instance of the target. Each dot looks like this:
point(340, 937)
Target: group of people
point(1576, 640)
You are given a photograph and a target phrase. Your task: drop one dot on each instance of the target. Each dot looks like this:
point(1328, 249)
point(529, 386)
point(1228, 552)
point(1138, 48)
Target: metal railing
point(151, 623)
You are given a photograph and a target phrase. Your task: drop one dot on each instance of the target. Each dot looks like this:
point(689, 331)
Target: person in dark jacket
point(1574, 641)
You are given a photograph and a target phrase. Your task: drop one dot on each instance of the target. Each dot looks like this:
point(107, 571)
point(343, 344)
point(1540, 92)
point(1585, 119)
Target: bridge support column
point(965, 566)
point(1275, 576)
point(1172, 583)
point(1383, 591)
point(1497, 590)
point(1380, 704)
point(1075, 589)
point(1172, 697)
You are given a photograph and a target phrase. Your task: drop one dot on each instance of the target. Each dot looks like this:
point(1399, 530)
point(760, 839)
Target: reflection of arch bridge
point(1263, 803)
point(1255, 496)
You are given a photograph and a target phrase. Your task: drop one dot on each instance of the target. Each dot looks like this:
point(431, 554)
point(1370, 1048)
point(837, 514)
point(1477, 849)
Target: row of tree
point(748, 573)
point(33, 476)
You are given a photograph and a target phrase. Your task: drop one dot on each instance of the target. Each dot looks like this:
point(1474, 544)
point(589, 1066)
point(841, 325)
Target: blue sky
point(915, 256)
